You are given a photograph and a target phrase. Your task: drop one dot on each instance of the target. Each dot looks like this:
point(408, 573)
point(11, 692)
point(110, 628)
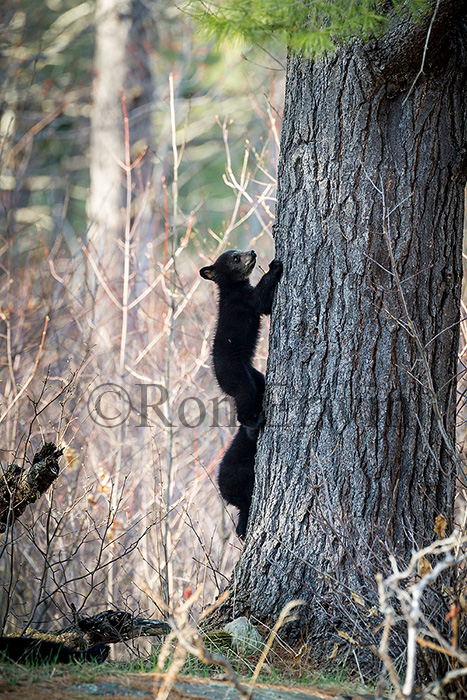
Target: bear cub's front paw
point(276, 267)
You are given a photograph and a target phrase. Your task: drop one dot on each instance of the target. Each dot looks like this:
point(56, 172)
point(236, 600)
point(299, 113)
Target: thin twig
point(425, 49)
point(31, 376)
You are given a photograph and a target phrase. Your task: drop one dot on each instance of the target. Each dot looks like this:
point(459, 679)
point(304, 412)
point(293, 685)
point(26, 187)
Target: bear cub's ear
point(208, 273)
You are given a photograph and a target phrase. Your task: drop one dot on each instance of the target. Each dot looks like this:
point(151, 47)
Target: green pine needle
point(308, 27)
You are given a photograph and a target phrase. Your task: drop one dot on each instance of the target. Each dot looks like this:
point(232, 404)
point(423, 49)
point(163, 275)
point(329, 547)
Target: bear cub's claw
point(276, 266)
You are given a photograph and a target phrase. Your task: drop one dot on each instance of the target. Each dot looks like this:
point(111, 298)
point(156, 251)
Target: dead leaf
point(423, 567)
point(71, 457)
point(441, 525)
point(105, 484)
point(348, 638)
point(299, 656)
point(357, 599)
point(333, 654)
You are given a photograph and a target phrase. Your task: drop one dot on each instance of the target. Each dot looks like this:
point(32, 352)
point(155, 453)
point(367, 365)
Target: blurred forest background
point(131, 154)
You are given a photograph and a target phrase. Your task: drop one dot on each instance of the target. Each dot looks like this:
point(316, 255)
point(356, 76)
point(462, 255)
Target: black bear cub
point(238, 323)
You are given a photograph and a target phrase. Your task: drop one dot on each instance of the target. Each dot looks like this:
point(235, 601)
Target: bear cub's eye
point(236, 258)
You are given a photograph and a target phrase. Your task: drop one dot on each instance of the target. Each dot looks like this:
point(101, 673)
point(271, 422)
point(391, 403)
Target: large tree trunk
point(352, 463)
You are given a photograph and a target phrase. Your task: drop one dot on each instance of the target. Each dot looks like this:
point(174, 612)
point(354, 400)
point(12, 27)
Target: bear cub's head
point(232, 266)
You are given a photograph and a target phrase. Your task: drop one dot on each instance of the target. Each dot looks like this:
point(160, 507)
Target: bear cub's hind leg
point(237, 476)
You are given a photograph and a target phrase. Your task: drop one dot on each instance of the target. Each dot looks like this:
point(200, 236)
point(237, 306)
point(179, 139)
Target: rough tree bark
point(352, 463)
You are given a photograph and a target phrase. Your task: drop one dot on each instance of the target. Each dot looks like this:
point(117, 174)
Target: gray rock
point(246, 639)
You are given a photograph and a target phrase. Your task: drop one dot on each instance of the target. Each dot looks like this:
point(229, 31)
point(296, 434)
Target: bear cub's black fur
point(240, 309)
point(236, 476)
point(239, 316)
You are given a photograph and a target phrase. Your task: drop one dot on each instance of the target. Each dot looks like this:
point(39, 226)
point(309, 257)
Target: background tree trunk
point(106, 196)
point(351, 464)
point(121, 61)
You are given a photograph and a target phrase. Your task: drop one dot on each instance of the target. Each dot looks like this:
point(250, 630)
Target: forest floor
point(18, 683)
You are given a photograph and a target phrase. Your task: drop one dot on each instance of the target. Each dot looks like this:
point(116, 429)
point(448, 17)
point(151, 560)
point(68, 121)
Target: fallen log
point(108, 627)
